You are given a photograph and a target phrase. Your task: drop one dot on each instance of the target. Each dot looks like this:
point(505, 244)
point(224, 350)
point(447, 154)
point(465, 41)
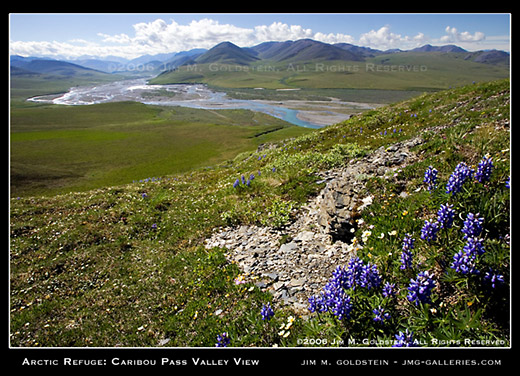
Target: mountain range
point(229, 53)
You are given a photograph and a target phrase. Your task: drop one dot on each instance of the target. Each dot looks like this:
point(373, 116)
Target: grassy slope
point(402, 71)
point(124, 266)
point(56, 149)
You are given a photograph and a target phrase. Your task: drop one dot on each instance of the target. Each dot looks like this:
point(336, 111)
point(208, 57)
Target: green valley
point(56, 149)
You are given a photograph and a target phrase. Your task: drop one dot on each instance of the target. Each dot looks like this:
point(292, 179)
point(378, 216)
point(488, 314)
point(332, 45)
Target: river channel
point(310, 114)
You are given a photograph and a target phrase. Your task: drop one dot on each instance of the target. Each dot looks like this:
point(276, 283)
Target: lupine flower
point(406, 255)
point(243, 179)
point(430, 178)
point(236, 183)
point(421, 288)
point(274, 169)
point(354, 272)
point(472, 225)
point(267, 312)
point(316, 304)
point(251, 177)
point(408, 242)
point(389, 290)
point(340, 305)
point(380, 315)
point(429, 230)
point(406, 260)
point(223, 340)
point(404, 340)
point(445, 216)
point(508, 182)
point(474, 246)
point(458, 178)
point(484, 169)
point(493, 279)
point(144, 195)
point(465, 263)
point(370, 276)
point(335, 300)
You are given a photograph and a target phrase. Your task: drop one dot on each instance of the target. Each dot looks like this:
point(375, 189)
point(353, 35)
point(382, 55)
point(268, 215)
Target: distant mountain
point(489, 57)
point(360, 51)
point(107, 66)
point(226, 53)
point(52, 67)
point(446, 48)
point(183, 57)
point(303, 50)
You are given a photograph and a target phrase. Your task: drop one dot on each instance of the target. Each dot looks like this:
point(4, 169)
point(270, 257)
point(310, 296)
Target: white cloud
point(160, 36)
point(384, 39)
point(454, 36)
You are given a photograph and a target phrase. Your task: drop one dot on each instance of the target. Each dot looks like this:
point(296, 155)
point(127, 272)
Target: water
point(186, 95)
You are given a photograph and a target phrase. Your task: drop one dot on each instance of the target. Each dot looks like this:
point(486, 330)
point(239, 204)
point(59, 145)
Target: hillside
point(37, 76)
point(303, 50)
point(143, 264)
point(309, 64)
point(226, 53)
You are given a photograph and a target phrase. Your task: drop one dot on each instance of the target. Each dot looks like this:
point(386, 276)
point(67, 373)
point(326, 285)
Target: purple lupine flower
point(354, 272)
point(370, 276)
point(472, 225)
point(223, 340)
point(406, 255)
point(484, 169)
point(236, 183)
point(465, 263)
point(445, 216)
point(380, 315)
point(429, 230)
point(493, 278)
point(458, 178)
point(404, 340)
point(316, 304)
point(474, 246)
point(508, 182)
point(336, 300)
point(267, 312)
point(389, 290)
point(421, 288)
point(430, 178)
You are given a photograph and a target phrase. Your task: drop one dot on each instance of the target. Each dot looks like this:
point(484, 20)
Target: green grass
point(125, 266)
point(56, 149)
point(407, 71)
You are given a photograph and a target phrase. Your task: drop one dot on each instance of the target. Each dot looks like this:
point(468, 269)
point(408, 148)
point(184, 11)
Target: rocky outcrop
point(294, 263)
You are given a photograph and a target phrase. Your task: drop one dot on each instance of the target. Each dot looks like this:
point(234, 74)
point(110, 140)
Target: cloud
point(384, 39)
point(160, 36)
point(453, 36)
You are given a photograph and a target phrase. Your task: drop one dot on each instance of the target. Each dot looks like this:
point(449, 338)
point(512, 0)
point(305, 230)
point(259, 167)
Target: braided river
point(310, 114)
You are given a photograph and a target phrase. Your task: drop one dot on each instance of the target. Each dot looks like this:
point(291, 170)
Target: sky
point(132, 35)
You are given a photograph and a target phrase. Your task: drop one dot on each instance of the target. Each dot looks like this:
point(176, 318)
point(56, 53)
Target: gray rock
point(320, 234)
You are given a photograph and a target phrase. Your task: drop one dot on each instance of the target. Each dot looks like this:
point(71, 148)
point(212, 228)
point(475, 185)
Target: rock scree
point(295, 262)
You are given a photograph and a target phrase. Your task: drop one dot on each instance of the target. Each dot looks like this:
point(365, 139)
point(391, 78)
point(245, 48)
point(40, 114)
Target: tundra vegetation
point(126, 265)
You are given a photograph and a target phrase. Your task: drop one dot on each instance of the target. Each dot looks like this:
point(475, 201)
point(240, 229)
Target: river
point(308, 114)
